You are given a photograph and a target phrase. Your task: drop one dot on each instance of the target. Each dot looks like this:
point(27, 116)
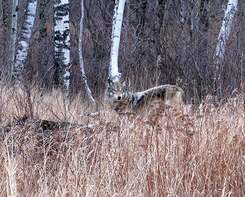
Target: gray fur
point(123, 100)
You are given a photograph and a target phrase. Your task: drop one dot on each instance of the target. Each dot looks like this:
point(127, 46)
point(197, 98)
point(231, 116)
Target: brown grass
point(170, 152)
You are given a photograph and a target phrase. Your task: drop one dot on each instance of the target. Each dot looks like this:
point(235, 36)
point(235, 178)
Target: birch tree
point(115, 37)
point(62, 44)
point(221, 46)
point(24, 40)
point(82, 62)
point(13, 35)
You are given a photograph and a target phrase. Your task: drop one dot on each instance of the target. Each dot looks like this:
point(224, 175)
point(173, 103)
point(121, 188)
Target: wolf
point(124, 101)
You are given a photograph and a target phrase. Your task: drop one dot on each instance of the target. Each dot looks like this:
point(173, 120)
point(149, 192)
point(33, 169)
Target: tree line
point(162, 42)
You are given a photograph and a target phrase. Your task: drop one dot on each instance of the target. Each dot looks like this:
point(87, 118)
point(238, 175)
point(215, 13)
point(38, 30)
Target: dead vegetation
point(169, 152)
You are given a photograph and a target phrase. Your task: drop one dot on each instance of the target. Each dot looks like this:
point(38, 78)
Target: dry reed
point(169, 152)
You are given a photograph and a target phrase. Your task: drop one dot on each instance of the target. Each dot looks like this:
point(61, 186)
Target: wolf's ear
point(122, 82)
point(110, 82)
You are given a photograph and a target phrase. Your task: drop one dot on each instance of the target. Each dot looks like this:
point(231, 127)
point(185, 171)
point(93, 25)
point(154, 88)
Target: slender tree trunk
point(25, 37)
point(203, 79)
point(127, 23)
point(115, 37)
point(62, 44)
point(2, 33)
point(43, 59)
point(13, 36)
point(221, 46)
point(140, 41)
point(140, 17)
point(183, 17)
point(82, 62)
point(8, 17)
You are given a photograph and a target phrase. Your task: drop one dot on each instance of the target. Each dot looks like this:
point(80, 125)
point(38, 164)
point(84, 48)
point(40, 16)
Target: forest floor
point(172, 152)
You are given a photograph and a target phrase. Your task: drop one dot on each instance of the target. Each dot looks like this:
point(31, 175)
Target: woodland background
point(162, 42)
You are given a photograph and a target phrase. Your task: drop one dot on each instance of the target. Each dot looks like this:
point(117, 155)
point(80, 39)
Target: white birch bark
point(115, 37)
point(13, 34)
point(225, 29)
point(62, 41)
point(82, 62)
point(221, 46)
point(25, 37)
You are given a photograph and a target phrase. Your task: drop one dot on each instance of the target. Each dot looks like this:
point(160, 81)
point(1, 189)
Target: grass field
point(171, 152)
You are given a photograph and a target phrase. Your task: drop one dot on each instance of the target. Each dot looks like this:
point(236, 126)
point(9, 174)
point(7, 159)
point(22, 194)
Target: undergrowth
point(168, 152)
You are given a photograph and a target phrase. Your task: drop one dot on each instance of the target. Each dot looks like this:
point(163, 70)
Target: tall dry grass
point(169, 152)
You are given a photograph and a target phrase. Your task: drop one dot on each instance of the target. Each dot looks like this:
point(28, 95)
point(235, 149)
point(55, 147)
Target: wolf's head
point(116, 90)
